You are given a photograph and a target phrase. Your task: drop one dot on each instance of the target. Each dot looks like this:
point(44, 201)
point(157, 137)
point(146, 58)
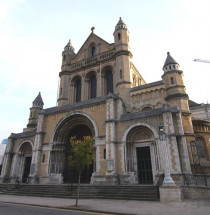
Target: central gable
point(94, 45)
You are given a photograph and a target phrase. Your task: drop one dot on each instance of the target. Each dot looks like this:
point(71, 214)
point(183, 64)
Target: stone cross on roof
point(92, 29)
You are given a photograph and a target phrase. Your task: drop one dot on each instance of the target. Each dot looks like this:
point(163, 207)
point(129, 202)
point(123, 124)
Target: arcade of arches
point(89, 83)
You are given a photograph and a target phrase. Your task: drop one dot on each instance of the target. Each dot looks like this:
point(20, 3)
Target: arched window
point(134, 80)
point(119, 36)
point(146, 108)
point(172, 81)
point(93, 51)
point(43, 158)
point(200, 148)
point(109, 82)
point(78, 90)
point(121, 75)
point(93, 86)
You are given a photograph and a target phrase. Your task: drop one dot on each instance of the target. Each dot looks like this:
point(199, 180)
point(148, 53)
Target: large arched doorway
point(139, 143)
point(74, 126)
point(23, 163)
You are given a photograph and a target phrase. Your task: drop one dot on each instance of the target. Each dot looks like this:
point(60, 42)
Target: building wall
point(133, 108)
point(2, 150)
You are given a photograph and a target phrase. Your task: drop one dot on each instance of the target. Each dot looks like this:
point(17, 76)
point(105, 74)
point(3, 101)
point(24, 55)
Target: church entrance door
point(70, 175)
point(78, 126)
point(26, 170)
point(144, 165)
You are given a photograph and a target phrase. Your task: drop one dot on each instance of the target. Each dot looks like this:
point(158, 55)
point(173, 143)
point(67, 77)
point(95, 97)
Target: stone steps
point(130, 192)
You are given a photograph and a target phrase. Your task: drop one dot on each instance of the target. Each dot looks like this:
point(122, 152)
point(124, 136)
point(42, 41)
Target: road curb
point(67, 208)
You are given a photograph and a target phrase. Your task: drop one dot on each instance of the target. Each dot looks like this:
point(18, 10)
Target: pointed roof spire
point(121, 25)
point(38, 100)
point(170, 64)
point(169, 60)
point(69, 47)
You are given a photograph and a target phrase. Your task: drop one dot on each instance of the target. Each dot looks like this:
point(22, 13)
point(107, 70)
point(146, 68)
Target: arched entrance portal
point(139, 145)
point(74, 126)
point(24, 162)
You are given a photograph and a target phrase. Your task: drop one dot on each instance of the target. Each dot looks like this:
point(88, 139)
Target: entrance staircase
point(87, 191)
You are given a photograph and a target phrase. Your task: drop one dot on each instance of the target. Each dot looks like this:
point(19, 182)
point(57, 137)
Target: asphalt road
point(14, 209)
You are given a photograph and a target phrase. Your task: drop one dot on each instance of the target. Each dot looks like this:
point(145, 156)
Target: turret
point(122, 75)
point(68, 54)
point(121, 36)
point(174, 85)
point(37, 106)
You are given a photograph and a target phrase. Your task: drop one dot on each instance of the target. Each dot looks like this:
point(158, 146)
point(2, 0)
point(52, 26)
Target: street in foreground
point(14, 209)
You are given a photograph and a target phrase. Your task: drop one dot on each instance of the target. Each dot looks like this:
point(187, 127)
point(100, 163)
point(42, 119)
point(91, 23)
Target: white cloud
point(4, 8)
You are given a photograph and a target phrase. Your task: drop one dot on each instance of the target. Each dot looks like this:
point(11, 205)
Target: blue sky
point(33, 34)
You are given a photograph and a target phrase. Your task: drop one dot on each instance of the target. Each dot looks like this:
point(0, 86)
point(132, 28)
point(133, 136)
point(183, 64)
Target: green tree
point(82, 156)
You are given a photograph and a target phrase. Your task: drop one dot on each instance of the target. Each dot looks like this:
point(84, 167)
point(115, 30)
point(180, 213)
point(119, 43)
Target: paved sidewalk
point(117, 206)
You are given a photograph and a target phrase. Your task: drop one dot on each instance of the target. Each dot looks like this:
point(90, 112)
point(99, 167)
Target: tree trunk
point(78, 189)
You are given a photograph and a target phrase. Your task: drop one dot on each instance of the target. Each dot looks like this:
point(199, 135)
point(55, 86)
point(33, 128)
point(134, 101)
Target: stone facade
point(141, 131)
point(201, 127)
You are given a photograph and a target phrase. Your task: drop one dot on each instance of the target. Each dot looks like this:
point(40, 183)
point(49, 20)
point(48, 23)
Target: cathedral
point(141, 131)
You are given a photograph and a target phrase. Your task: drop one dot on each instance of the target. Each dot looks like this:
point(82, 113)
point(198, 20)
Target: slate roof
point(24, 134)
point(121, 22)
point(199, 106)
point(78, 104)
point(69, 46)
point(192, 103)
point(169, 60)
point(38, 99)
point(153, 84)
point(149, 113)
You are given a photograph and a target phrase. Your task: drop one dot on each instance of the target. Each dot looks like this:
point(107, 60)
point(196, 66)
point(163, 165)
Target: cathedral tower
point(175, 95)
point(68, 54)
point(37, 106)
point(123, 56)
point(174, 84)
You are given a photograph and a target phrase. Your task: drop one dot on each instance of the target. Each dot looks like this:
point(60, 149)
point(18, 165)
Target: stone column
point(83, 88)
point(6, 167)
point(86, 93)
point(171, 144)
point(110, 140)
point(14, 167)
point(184, 156)
point(97, 155)
point(99, 82)
point(71, 93)
point(37, 149)
point(169, 192)
point(167, 178)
